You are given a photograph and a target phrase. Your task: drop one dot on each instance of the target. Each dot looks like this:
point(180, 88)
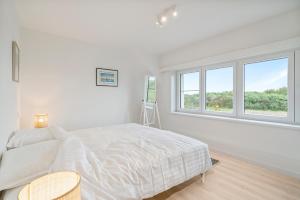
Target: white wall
point(270, 30)
point(8, 89)
point(58, 78)
point(274, 147)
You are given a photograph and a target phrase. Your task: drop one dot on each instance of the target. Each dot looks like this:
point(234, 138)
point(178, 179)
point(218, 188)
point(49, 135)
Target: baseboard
point(271, 161)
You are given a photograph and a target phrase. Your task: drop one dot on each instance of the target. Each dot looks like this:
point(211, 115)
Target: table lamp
point(40, 120)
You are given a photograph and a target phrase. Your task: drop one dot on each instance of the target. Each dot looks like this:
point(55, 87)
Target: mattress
point(11, 194)
point(129, 161)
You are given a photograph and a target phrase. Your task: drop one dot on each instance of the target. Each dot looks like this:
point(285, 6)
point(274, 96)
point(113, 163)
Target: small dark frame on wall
point(107, 77)
point(15, 62)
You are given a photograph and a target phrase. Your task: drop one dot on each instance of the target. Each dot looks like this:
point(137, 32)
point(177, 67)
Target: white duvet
point(130, 161)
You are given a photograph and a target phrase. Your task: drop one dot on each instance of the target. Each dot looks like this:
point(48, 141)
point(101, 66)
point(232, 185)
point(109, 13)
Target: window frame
point(290, 85)
point(239, 88)
point(213, 67)
point(178, 90)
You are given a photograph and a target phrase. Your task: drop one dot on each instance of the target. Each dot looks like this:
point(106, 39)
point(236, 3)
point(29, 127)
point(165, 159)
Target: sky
point(258, 77)
point(266, 75)
point(191, 81)
point(219, 80)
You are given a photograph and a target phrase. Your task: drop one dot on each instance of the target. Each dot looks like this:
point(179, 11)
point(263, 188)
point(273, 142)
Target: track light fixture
point(164, 16)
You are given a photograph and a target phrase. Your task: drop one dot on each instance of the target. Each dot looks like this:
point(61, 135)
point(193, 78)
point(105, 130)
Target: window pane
point(151, 82)
point(151, 96)
point(151, 90)
point(219, 90)
point(190, 81)
point(190, 97)
point(266, 88)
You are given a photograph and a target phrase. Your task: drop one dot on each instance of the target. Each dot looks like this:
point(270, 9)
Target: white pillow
point(12, 193)
point(21, 165)
point(31, 136)
point(58, 132)
point(28, 136)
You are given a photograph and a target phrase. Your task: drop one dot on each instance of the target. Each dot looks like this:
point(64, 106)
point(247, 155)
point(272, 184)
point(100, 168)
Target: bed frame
point(203, 177)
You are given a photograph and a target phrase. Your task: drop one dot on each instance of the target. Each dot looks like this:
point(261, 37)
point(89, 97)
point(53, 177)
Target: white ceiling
point(131, 23)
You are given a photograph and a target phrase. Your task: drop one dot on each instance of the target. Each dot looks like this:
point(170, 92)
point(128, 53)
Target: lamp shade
point(59, 186)
point(41, 120)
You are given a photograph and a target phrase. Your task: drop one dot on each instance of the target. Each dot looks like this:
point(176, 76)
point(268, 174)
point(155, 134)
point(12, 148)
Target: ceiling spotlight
point(169, 12)
point(158, 22)
point(175, 13)
point(163, 19)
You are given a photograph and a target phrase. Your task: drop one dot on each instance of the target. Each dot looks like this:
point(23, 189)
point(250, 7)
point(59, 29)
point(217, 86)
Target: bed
point(126, 161)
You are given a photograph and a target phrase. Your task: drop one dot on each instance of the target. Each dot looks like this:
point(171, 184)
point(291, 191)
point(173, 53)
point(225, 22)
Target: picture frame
point(107, 77)
point(15, 62)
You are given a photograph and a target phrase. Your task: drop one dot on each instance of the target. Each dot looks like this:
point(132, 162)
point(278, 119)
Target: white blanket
point(130, 161)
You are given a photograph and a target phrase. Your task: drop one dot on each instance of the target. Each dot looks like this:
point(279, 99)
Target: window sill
point(245, 121)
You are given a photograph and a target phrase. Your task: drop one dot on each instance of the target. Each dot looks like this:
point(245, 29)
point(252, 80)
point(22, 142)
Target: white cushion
point(12, 194)
point(21, 165)
point(31, 136)
point(28, 136)
point(58, 132)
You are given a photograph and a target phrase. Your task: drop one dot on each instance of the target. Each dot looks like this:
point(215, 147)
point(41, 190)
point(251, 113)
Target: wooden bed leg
point(203, 177)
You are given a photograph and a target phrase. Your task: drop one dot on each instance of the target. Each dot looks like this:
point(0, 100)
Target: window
point(219, 90)
point(151, 89)
point(259, 88)
point(189, 90)
point(266, 88)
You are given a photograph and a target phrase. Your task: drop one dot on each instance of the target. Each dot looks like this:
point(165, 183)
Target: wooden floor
point(234, 179)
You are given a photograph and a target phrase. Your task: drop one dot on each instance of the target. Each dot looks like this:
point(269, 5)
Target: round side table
point(64, 185)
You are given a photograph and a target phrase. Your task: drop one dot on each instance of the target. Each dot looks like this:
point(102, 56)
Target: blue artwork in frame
point(106, 77)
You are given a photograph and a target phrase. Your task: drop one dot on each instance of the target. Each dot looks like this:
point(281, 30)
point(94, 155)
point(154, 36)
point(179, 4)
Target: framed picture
point(106, 77)
point(15, 62)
